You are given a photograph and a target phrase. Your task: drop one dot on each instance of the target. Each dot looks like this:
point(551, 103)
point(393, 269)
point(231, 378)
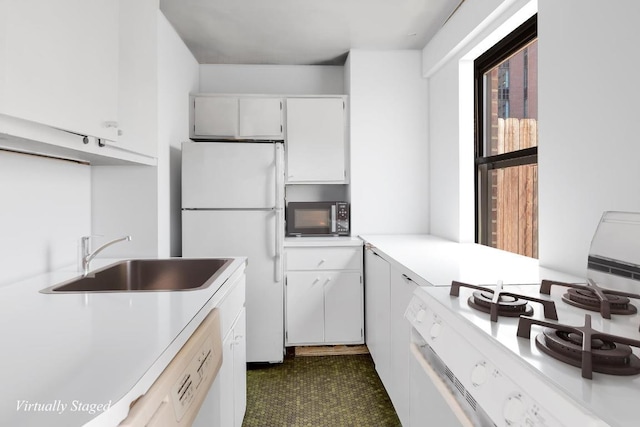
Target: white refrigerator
point(232, 205)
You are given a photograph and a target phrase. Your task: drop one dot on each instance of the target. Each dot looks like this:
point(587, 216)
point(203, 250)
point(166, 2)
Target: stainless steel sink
point(176, 274)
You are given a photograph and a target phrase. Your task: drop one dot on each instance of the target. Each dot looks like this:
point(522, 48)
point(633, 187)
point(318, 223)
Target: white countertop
point(90, 349)
point(436, 261)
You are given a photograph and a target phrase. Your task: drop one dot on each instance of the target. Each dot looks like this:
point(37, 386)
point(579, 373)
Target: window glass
point(506, 80)
point(513, 225)
point(511, 94)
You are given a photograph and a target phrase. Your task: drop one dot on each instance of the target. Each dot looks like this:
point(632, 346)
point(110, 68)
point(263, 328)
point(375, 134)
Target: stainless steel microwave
point(317, 219)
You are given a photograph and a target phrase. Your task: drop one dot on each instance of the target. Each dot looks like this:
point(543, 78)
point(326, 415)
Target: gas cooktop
point(549, 353)
point(519, 347)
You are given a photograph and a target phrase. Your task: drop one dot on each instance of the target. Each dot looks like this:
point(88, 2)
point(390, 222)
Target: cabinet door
point(305, 307)
point(377, 317)
point(225, 403)
point(60, 64)
point(315, 140)
point(232, 389)
point(239, 370)
point(261, 118)
point(215, 116)
point(137, 79)
point(343, 309)
point(225, 384)
point(402, 288)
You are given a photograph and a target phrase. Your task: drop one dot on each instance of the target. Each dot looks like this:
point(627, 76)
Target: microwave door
point(309, 221)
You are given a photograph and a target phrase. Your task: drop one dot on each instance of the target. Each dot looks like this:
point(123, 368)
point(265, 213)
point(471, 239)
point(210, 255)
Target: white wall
point(444, 173)
point(587, 151)
point(178, 75)
point(448, 65)
point(272, 79)
point(388, 137)
point(45, 207)
point(124, 201)
point(588, 110)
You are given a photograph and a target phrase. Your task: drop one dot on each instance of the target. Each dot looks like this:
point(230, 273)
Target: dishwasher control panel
point(189, 383)
point(185, 381)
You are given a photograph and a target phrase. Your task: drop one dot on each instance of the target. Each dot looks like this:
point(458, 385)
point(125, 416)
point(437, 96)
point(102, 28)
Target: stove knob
point(479, 374)
point(514, 410)
point(420, 315)
point(435, 329)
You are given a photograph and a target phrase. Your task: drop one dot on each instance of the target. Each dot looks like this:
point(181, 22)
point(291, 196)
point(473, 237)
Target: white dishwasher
point(175, 397)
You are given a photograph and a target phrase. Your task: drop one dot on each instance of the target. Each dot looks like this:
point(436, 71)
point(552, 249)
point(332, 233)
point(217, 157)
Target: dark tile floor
point(316, 392)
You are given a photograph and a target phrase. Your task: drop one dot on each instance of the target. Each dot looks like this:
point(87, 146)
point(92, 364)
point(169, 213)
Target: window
point(506, 151)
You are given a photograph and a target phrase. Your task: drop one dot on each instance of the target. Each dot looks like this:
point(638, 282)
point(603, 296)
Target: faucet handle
point(85, 242)
point(90, 236)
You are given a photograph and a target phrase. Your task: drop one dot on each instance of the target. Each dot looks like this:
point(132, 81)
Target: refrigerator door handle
point(279, 181)
point(279, 244)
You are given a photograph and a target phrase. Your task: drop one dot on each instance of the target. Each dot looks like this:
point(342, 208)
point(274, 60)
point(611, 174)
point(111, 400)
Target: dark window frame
point(505, 48)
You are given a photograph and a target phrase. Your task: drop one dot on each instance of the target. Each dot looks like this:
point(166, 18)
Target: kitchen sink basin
point(143, 275)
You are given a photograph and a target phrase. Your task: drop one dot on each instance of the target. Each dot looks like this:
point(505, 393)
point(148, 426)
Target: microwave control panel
point(342, 218)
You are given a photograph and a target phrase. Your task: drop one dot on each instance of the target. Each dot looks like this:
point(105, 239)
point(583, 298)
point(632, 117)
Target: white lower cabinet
point(233, 375)
point(388, 292)
point(402, 288)
point(226, 401)
point(377, 309)
point(324, 305)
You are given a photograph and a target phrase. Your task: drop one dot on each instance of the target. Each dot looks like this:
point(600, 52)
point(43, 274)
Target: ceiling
point(302, 32)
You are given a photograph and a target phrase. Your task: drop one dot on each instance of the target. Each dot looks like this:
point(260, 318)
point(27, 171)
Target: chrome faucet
point(87, 255)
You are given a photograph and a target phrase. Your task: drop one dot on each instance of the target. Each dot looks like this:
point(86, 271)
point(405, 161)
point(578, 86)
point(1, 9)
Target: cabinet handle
point(315, 281)
point(407, 278)
point(111, 124)
point(321, 262)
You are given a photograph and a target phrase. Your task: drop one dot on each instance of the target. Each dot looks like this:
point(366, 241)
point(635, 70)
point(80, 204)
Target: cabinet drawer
point(334, 258)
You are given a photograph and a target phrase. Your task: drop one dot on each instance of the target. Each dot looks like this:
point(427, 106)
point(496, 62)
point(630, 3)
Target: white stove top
point(547, 386)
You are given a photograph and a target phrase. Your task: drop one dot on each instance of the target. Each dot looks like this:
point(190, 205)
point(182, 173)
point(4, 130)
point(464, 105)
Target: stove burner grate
point(499, 302)
point(584, 347)
point(508, 306)
point(592, 297)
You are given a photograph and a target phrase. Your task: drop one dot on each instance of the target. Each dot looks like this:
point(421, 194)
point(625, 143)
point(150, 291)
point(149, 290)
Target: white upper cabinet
point(260, 117)
point(138, 78)
point(59, 64)
point(215, 116)
point(234, 117)
point(316, 140)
